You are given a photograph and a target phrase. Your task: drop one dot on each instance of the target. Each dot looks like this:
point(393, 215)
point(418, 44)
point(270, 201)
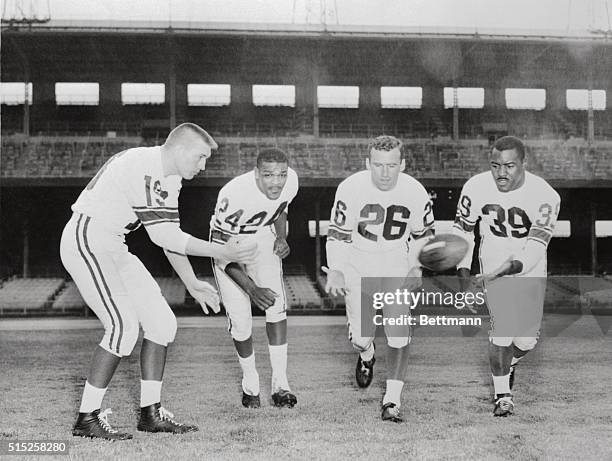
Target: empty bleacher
point(28, 295)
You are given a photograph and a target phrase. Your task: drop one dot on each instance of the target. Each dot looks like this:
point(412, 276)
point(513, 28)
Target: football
point(443, 252)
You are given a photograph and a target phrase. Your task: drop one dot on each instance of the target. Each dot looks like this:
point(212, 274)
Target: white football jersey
point(243, 209)
point(507, 219)
point(131, 189)
point(373, 220)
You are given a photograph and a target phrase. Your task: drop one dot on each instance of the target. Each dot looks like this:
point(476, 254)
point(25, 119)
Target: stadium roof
point(582, 20)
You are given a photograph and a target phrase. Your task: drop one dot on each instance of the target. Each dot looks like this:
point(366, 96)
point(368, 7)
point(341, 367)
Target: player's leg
point(240, 325)
point(159, 327)
point(267, 272)
point(361, 330)
point(87, 256)
point(503, 327)
point(532, 292)
point(398, 342)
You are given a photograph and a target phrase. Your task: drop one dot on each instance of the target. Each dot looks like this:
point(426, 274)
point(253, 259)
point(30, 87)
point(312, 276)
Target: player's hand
point(495, 274)
point(413, 279)
point(281, 248)
point(206, 295)
point(468, 284)
point(263, 298)
point(242, 251)
point(335, 286)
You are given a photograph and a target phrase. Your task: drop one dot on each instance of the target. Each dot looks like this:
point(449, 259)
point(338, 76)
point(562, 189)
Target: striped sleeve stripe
point(540, 234)
point(339, 229)
point(426, 232)
point(219, 236)
point(154, 215)
point(160, 221)
point(219, 226)
point(160, 208)
point(463, 225)
point(335, 235)
point(535, 239)
point(225, 231)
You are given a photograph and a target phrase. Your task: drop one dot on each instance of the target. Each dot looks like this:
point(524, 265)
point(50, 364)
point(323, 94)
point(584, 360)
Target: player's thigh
point(155, 315)
point(94, 269)
point(359, 308)
point(516, 306)
point(236, 303)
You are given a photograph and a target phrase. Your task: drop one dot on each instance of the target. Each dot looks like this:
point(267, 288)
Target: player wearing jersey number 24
point(137, 186)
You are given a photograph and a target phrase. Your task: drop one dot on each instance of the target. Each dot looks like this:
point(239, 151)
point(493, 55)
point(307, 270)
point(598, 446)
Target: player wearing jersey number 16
point(137, 186)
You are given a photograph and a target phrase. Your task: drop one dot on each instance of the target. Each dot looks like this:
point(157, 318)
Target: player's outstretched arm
point(281, 247)
point(263, 298)
point(234, 250)
point(202, 292)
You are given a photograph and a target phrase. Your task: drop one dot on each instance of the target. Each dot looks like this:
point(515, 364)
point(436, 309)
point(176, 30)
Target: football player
point(253, 207)
point(516, 212)
point(380, 220)
point(134, 187)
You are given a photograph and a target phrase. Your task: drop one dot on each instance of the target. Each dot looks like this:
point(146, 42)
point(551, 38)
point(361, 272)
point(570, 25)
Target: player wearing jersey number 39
point(516, 212)
point(253, 207)
point(137, 186)
point(380, 220)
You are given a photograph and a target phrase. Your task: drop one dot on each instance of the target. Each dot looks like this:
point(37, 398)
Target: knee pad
point(501, 341)
point(163, 331)
point(525, 343)
point(398, 342)
point(240, 330)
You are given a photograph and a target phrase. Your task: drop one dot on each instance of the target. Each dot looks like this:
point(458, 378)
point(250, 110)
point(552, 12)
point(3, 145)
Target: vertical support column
point(593, 218)
point(110, 100)
point(317, 238)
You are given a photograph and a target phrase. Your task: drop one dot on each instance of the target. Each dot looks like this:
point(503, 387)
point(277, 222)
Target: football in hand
point(443, 252)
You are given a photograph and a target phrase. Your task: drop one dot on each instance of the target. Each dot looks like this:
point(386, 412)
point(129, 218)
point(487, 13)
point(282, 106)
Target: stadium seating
point(69, 299)
point(26, 295)
point(301, 292)
point(312, 158)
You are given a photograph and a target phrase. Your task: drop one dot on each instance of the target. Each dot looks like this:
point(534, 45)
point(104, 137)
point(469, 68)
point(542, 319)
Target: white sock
point(278, 360)
point(515, 360)
point(92, 398)
point(502, 384)
point(394, 392)
point(368, 354)
point(250, 377)
point(150, 392)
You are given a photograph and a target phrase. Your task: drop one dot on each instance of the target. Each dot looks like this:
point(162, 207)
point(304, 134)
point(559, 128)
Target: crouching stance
point(137, 186)
point(253, 206)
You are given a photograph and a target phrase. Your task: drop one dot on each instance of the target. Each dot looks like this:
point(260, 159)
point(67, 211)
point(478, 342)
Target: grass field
point(562, 396)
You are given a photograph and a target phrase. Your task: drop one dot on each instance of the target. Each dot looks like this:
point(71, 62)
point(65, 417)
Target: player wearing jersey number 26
point(380, 220)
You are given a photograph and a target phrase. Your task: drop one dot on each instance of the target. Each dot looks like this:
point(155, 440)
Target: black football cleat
point(96, 426)
point(284, 398)
point(155, 418)
point(512, 369)
point(504, 406)
point(391, 412)
point(250, 401)
point(364, 371)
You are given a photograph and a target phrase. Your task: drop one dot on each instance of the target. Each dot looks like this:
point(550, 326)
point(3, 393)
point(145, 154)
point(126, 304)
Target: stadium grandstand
point(75, 92)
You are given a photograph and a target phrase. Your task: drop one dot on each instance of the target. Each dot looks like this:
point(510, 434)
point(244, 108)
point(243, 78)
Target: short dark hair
point(510, 143)
point(273, 155)
point(386, 143)
point(176, 133)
